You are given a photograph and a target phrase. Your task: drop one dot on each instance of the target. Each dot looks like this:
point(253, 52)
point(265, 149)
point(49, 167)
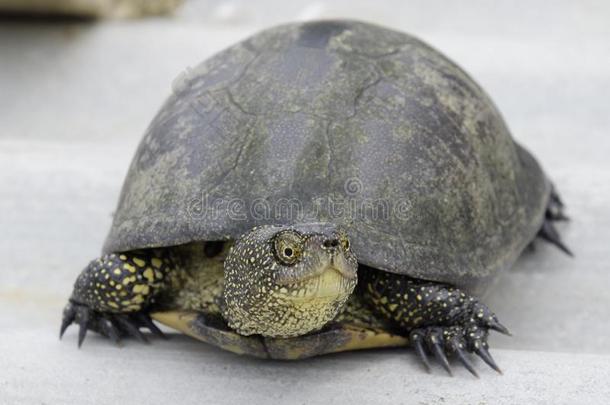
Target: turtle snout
point(331, 244)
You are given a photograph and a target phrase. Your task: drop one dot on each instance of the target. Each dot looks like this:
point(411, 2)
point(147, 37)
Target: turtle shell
point(338, 121)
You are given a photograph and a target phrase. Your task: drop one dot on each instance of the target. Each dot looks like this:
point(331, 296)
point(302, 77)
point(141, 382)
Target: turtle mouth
point(329, 284)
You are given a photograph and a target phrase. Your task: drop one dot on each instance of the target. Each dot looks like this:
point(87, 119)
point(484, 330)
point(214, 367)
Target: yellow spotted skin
point(276, 281)
point(123, 283)
point(268, 294)
point(409, 303)
point(246, 298)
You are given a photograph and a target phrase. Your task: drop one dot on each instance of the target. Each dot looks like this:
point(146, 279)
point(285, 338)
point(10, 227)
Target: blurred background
point(78, 89)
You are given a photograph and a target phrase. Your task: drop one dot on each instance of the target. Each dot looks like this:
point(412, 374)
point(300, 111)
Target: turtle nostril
point(331, 243)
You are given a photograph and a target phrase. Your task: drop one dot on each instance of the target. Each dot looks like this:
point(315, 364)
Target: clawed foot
point(457, 341)
point(555, 208)
point(554, 212)
point(111, 325)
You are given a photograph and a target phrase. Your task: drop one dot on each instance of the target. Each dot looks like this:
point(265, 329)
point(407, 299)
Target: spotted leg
point(439, 319)
point(112, 294)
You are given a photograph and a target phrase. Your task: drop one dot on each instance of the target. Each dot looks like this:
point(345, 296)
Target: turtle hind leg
point(556, 207)
point(112, 294)
point(548, 231)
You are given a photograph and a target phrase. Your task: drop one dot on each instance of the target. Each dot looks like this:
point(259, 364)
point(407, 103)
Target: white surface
point(185, 371)
point(75, 99)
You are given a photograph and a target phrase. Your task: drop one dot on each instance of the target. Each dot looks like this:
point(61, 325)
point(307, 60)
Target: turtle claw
point(82, 333)
point(549, 233)
point(146, 321)
point(440, 356)
point(454, 341)
point(555, 208)
point(557, 216)
point(435, 341)
point(498, 327)
point(113, 326)
point(554, 212)
point(484, 317)
point(461, 356)
point(484, 354)
point(110, 330)
point(131, 326)
point(432, 339)
point(82, 318)
point(68, 317)
point(417, 339)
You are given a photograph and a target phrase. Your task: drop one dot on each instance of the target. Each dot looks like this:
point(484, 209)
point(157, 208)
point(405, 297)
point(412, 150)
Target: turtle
point(320, 187)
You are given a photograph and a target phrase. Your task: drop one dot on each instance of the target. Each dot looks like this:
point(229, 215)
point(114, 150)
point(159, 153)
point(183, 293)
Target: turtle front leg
point(438, 318)
point(112, 295)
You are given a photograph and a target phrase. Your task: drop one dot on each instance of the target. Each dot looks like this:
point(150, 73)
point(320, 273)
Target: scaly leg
point(112, 294)
point(438, 318)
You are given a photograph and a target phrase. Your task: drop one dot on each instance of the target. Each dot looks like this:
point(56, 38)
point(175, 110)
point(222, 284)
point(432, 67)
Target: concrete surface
point(76, 97)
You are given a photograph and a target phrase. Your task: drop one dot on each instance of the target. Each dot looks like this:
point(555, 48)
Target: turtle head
point(284, 281)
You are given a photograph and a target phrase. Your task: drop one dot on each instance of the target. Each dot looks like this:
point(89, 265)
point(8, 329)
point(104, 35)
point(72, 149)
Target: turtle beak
point(332, 247)
point(338, 263)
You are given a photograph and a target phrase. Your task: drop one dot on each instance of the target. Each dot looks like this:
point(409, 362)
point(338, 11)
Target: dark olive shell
point(338, 121)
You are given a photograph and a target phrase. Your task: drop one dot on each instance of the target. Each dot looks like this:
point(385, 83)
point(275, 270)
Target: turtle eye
point(344, 240)
point(345, 244)
point(288, 247)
